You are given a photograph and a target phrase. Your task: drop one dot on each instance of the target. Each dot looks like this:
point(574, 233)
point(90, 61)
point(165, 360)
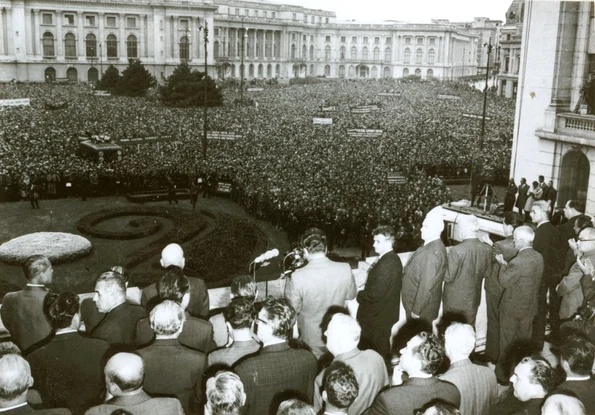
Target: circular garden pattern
point(58, 247)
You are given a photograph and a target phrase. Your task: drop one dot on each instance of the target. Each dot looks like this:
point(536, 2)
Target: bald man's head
point(124, 373)
point(15, 378)
point(173, 254)
point(523, 237)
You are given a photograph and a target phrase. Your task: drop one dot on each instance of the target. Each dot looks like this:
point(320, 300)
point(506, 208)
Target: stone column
point(59, 46)
point(80, 35)
point(101, 46)
point(122, 49)
point(140, 41)
point(176, 38)
point(28, 32)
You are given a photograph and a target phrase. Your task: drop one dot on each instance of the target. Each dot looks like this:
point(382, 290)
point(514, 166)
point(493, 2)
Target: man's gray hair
point(167, 318)
point(225, 393)
point(15, 376)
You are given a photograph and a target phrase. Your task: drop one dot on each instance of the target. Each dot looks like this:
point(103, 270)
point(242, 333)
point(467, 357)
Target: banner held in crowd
point(364, 132)
point(223, 135)
point(22, 102)
point(322, 121)
point(145, 140)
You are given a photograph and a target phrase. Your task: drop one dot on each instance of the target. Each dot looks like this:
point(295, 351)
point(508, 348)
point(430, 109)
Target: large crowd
point(283, 167)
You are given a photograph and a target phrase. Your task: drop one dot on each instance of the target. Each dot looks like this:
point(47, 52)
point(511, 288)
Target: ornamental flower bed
point(57, 246)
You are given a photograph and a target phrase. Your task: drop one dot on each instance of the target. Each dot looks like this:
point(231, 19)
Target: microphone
point(267, 255)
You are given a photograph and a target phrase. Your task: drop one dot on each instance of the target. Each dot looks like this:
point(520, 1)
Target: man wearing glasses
point(278, 367)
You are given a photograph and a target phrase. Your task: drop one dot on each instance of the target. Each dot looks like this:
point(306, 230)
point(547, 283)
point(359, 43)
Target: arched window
point(251, 71)
point(69, 45)
point(407, 56)
point(574, 177)
point(312, 70)
point(388, 54)
point(365, 53)
point(48, 45)
point(72, 74)
point(311, 51)
point(419, 54)
point(184, 48)
point(50, 74)
point(405, 73)
point(351, 71)
point(386, 72)
point(341, 71)
point(91, 45)
point(431, 56)
point(277, 70)
point(353, 53)
point(327, 53)
point(269, 70)
point(112, 46)
point(92, 75)
point(430, 74)
point(376, 53)
point(216, 49)
point(304, 50)
point(260, 71)
point(374, 72)
point(327, 70)
point(342, 53)
point(131, 47)
point(292, 51)
point(418, 72)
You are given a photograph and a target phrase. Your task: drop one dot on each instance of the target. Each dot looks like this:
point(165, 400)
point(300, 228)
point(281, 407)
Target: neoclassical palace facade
point(77, 40)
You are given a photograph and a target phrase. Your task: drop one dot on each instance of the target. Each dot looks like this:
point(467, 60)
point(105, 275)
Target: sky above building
point(414, 11)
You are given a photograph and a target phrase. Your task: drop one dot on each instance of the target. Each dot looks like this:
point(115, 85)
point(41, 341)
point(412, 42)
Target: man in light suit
point(521, 279)
point(15, 381)
point(424, 274)
point(476, 384)
point(124, 374)
point(173, 256)
point(278, 367)
point(170, 368)
point(22, 311)
point(311, 290)
point(379, 301)
point(468, 264)
point(522, 199)
point(118, 324)
point(343, 335)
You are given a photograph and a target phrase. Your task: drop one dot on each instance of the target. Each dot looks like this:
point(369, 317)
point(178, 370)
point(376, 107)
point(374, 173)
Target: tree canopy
point(186, 88)
point(134, 81)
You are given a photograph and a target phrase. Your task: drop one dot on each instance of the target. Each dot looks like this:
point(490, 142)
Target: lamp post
point(242, 64)
point(464, 50)
point(101, 60)
point(205, 30)
point(485, 94)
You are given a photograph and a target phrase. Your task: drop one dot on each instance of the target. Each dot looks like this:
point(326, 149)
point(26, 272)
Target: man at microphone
point(311, 290)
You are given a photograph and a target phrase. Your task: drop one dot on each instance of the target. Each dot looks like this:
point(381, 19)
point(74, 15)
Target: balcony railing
point(576, 125)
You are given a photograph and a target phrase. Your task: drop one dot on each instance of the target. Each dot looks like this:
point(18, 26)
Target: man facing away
point(476, 384)
point(225, 394)
point(311, 290)
point(343, 335)
point(173, 256)
point(379, 301)
point(468, 264)
point(340, 389)
point(124, 374)
point(424, 274)
point(22, 311)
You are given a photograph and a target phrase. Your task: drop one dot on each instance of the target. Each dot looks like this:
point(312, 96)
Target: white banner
point(223, 135)
point(255, 89)
point(364, 133)
point(322, 121)
point(23, 102)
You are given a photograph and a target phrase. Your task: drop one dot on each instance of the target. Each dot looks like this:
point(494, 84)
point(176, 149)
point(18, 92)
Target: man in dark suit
point(521, 279)
point(522, 199)
point(311, 290)
point(170, 368)
point(424, 274)
point(572, 210)
point(552, 194)
point(468, 264)
point(124, 374)
point(510, 197)
point(68, 368)
point(421, 360)
point(544, 187)
point(15, 381)
point(577, 355)
point(548, 242)
point(379, 301)
point(196, 333)
point(118, 325)
point(173, 256)
point(22, 311)
point(277, 368)
point(494, 290)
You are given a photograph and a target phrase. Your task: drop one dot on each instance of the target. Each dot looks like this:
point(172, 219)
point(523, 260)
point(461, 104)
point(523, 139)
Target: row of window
point(365, 39)
point(91, 45)
point(265, 13)
point(90, 20)
point(365, 54)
